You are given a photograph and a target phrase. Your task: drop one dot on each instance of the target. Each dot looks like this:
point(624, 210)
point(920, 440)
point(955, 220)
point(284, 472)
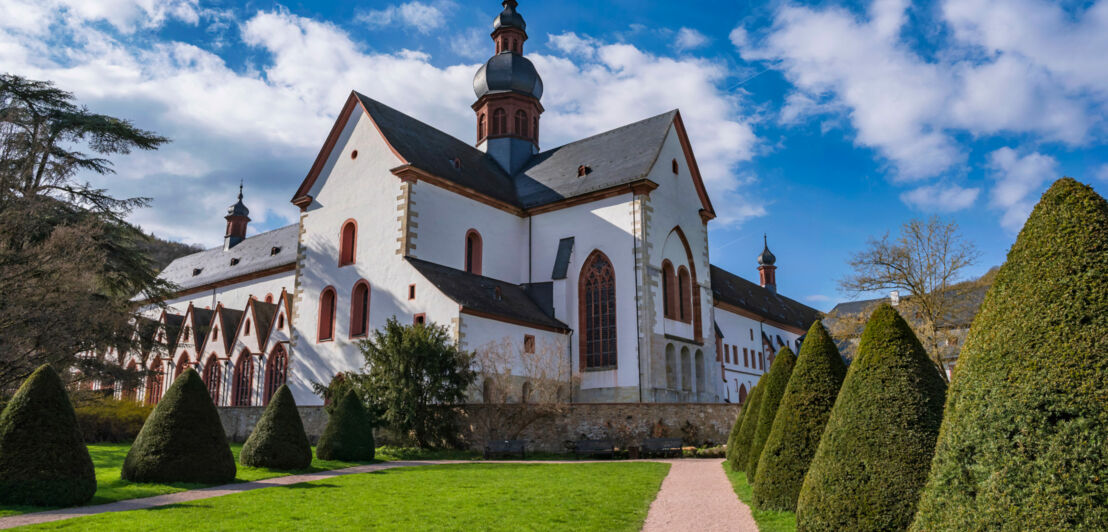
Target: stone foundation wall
point(625, 423)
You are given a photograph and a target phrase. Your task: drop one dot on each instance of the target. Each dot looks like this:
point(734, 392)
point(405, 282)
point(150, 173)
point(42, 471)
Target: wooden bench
point(594, 448)
point(662, 447)
point(505, 448)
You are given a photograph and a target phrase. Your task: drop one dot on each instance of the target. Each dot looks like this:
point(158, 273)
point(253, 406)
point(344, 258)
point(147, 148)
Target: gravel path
point(697, 496)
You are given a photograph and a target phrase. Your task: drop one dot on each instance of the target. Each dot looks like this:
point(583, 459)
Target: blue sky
point(820, 124)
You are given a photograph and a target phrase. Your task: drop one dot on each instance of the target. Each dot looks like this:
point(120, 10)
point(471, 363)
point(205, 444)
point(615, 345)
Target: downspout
point(530, 248)
point(638, 311)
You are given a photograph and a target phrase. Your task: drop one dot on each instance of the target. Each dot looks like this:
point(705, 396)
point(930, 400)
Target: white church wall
point(479, 332)
point(744, 332)
point(446, 217)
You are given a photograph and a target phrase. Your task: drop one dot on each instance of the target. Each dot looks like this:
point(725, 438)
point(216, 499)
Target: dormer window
point(675, 167)
point(215, 332)
point(234, 261)
point(583, 170)
point(188, 330)
point(196, 271)
point(457, 163)
point(496, 293)
point(274, 250)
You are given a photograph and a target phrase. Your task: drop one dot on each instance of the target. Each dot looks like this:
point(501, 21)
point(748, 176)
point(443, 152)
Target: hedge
point(746, 431)
point(801, 418)
point(1024, 441)
point(732, 438)
point(182, 440)
point(873, 457)
point(278, 440)
point(776, 381)
point(43, 460)
point(349, 432)
point(106, 419)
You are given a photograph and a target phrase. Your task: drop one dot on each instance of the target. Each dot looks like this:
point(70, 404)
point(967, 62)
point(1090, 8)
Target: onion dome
point(508, 72)
point(766, 258)
point(238, 209)
point(509, 18)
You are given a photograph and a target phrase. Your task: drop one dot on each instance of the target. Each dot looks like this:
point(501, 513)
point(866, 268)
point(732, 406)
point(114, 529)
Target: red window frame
point(474, 251)
point(243, 380)
point(597, 313)
point(348, 243)
point(213, 376)
point(276, 371)
point(359, 309)
point(325, 329)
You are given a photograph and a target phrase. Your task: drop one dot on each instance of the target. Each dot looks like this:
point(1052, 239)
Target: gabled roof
point(173, 323)
point(201, 325)
point(264, 314)
point(752, 297)
point(229, 321)
point(479, 294)
point(254, 254)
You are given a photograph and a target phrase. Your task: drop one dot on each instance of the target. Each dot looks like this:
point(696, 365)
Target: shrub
point(105, 419)
point(278, 440)
point(776, 381)
point(1024, 440)
point(182, 440)
point(349, 432)
point(732, 438)
point(874, 454)
point(43, 460)
point(800, 420)
point(746, 431)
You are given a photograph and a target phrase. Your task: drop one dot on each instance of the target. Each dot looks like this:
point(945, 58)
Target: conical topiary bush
point(776, 381)
point(732, 438)
point(1024, 440)
point(182, 440)
point(43, 460)
point(746, 430)
point(349, 432)
point(873, 457)
point(278, 440)
point(801, 418)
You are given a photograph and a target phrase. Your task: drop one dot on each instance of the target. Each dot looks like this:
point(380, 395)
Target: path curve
point(697, 496)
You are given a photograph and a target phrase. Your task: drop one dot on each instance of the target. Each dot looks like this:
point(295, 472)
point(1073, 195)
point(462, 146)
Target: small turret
point(766, 267)
point(237, 218)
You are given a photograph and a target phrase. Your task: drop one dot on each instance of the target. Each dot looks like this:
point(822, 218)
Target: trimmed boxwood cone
point(349, 432)
point(278, 440)
point(746, 431)
point(182, 440)
point(1024, 440)
point(732, 439)
point(776, 381)
point(873, 457)
point(43, 461)
point(801, 418)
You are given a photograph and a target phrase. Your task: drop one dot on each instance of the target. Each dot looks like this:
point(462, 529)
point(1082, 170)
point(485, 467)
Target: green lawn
point(597, 496)
point(108, 460)
point(768, 520)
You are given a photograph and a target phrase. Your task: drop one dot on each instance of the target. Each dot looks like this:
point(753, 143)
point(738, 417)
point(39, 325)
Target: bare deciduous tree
point(925, 262)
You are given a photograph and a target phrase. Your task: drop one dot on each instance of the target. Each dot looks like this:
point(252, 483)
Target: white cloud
point(418, 16)
point(940, 197)
point(35, 16)
point(1018, 181)
point(265, 123)
point(689, 39)
point(1102, 173)
point(817, 298)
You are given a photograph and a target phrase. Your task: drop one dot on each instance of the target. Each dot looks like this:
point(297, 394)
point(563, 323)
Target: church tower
point(237, 218)
point(767, 267)
point(508, 91)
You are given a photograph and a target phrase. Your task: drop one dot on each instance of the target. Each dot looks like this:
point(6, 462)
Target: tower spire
point(238, 216)
point(767, 266)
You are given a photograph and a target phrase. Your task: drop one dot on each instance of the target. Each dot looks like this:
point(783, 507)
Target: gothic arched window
point(684, 294)
point(473, 252)
point(154, 383)
point(480, 127)
point(326, 329)
point(669, 290)
point(276, 371)
point(598, 312)
point(359, 310)
point(243, 380)
point(521, 123)
point(499, 122)
point(213, 376)
point(348, 239)
point(182, 365)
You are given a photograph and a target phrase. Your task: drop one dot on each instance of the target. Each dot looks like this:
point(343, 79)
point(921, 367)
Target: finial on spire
point(766, 258)
point(240, 189)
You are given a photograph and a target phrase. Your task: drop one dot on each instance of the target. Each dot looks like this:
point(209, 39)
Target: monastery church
point(598, 247)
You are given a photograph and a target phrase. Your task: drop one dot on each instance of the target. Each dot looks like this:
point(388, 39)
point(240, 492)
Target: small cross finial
point(240, 189)
point(765, 240)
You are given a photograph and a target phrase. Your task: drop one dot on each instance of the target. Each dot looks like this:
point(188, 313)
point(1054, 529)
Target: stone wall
point(625, 423)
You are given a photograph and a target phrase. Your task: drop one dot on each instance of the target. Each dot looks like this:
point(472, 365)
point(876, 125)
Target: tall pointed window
point(243, 381)
point(154, 383)
point(326, 329)
point(521, 123)
point(276, 371)
point(598, 312)
point(481, 126)
point(213, 377)
point(499, 123)
point(348, 240)
point(473, 252)
point(182, 365)
point(684, 292)
point(669, 290)
point(359, 310)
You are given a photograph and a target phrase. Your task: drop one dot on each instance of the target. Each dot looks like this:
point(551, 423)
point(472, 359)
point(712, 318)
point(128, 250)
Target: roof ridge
point(364, 98)
point(263, 233)
point(606, 132)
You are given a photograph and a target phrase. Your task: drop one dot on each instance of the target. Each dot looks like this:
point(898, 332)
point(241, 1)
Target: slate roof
point(173, 324)
point(620, 156)
point(264, 313)
point(478, 293)
point(253, 254)
point(201, 325)
point(229, 321)
point(963, 308)
point(561, 260)
point(730, 288)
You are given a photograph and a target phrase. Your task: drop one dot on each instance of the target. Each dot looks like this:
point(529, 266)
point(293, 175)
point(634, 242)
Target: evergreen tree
point(1024, 440)
point(746, 432)
point(732, 438)
point(873, 457)
point(43, 460)
point(776, 381)
point(801, 418)
point(182, 440)
point(349, 432)
point(278, 440)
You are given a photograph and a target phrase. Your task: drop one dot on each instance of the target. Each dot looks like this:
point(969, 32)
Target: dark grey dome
point(509, 18)
point(508, 71)
point(239, 208)
point(766, 258)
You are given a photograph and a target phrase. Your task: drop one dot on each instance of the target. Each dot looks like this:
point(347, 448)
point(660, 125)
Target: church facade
point(596, 250)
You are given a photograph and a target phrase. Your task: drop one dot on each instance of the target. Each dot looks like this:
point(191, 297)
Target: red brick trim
point(419, 318)
point(694, 169)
